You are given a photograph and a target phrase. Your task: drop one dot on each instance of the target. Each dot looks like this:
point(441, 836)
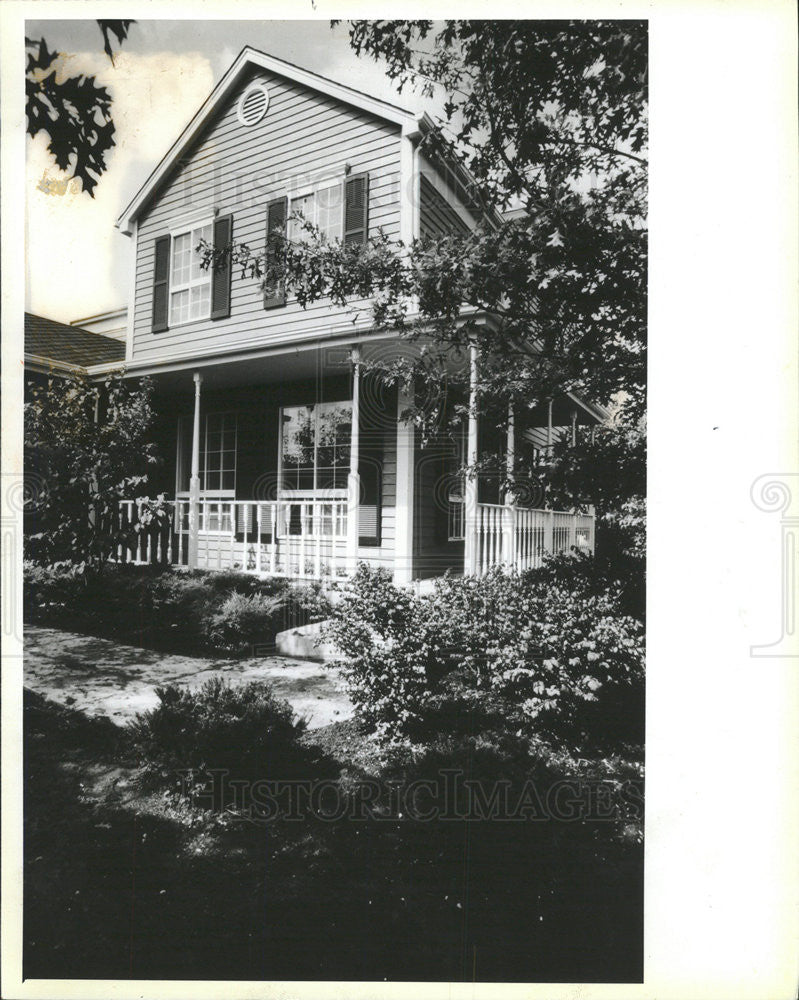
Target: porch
point(302, 465)
point(307, 540)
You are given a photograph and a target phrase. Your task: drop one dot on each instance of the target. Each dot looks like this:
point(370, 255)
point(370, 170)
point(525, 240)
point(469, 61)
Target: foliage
point(167, 608)
point(243, 620)
point(388, 896)
point(244, 729)
point(550, 657)
point(547, 115)
point(88, 446)
point(73, 111)
point(608, 469)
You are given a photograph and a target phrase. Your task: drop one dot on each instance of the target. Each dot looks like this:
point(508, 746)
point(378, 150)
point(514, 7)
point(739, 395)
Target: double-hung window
point(323, 207)
point(315, 449)
point(217, 457)
point(217, 460)
point(189, 284)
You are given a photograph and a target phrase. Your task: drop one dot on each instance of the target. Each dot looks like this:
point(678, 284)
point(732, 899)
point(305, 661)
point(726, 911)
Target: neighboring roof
point(246, 58)
point(111, 314)
point(49, 343)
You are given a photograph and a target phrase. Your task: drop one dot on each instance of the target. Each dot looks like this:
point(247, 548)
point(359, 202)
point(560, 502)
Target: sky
point(160, 77)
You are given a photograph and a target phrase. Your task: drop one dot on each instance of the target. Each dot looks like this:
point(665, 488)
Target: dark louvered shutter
point(220, 280)
point(276, 212)
point(370, 469)
point(356, 209)
point(161, 284)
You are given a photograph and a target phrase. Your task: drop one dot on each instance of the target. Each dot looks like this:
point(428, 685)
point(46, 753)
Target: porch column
point(194, 481)
point(549, 429)
point(470, 553)
point(574, 427)
point(509, 534)
point(354, 479)
point(403, 537)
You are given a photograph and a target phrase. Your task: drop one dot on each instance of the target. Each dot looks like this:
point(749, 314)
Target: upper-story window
point(190, 285)
point(323, 208)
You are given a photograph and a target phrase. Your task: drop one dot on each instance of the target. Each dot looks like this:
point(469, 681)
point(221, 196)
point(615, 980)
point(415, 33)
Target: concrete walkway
point(103, 677)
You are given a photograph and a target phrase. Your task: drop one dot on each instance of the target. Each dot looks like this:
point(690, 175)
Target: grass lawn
point(121, 882)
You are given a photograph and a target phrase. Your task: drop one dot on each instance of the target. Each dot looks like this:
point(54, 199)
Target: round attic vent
point(253, 104)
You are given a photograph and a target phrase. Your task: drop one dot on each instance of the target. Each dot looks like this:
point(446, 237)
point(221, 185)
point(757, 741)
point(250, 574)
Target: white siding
point(436, 216)
point(238, 170)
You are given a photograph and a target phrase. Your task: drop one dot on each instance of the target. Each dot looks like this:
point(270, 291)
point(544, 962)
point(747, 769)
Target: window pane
point(296, 232)
point(298, 444)
point(181, 256)
point(329, 211)
point(333, 437)
point(204, 233)
point(200, 301)
point(180, 307)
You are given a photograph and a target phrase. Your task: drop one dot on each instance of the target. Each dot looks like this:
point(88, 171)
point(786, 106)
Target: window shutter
point(220, 279)
point(276, 212)
point(369, 508)
point(356, 209)
point(161, 284)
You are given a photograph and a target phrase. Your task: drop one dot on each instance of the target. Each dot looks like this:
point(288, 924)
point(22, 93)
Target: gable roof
point(247, 58)
point(50, 344)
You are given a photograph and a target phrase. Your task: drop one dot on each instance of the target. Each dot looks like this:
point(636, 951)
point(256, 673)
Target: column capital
point(198, 379)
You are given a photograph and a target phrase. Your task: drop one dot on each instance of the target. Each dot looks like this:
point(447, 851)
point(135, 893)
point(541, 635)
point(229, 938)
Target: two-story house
point(284, 455)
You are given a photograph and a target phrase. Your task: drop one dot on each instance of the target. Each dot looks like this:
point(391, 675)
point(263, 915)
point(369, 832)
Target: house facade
point(284, 452)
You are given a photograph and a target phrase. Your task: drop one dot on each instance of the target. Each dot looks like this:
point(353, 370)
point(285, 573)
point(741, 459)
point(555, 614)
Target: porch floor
point(103, 677)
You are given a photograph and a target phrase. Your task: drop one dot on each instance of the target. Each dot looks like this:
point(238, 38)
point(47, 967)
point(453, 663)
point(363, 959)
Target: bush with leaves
point(243, 729)
point(147, 605)
point(243, 620)
point(553, 658)
point(87, 446)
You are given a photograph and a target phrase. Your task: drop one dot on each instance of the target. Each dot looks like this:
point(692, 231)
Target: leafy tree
point(606, 467)
point(87, 447)
point(550, 117)
point(74, 112)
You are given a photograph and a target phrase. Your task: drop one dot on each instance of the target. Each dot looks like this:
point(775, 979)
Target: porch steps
point(303, 643)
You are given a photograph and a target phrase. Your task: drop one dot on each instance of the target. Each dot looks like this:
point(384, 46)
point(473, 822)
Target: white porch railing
point(519, 537)
point(306, 539)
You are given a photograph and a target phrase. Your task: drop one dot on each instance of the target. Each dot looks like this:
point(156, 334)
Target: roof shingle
point(46, 338)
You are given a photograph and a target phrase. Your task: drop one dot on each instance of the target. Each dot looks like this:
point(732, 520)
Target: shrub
point(244, 620)
point(243, 729)
point(166, 608)
point(390, 652)
point(549, 657)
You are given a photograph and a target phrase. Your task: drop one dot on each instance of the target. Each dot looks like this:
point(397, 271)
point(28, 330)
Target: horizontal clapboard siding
point(436, 217)
point(537, 436)
point(237, 170)
point(384, 554)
